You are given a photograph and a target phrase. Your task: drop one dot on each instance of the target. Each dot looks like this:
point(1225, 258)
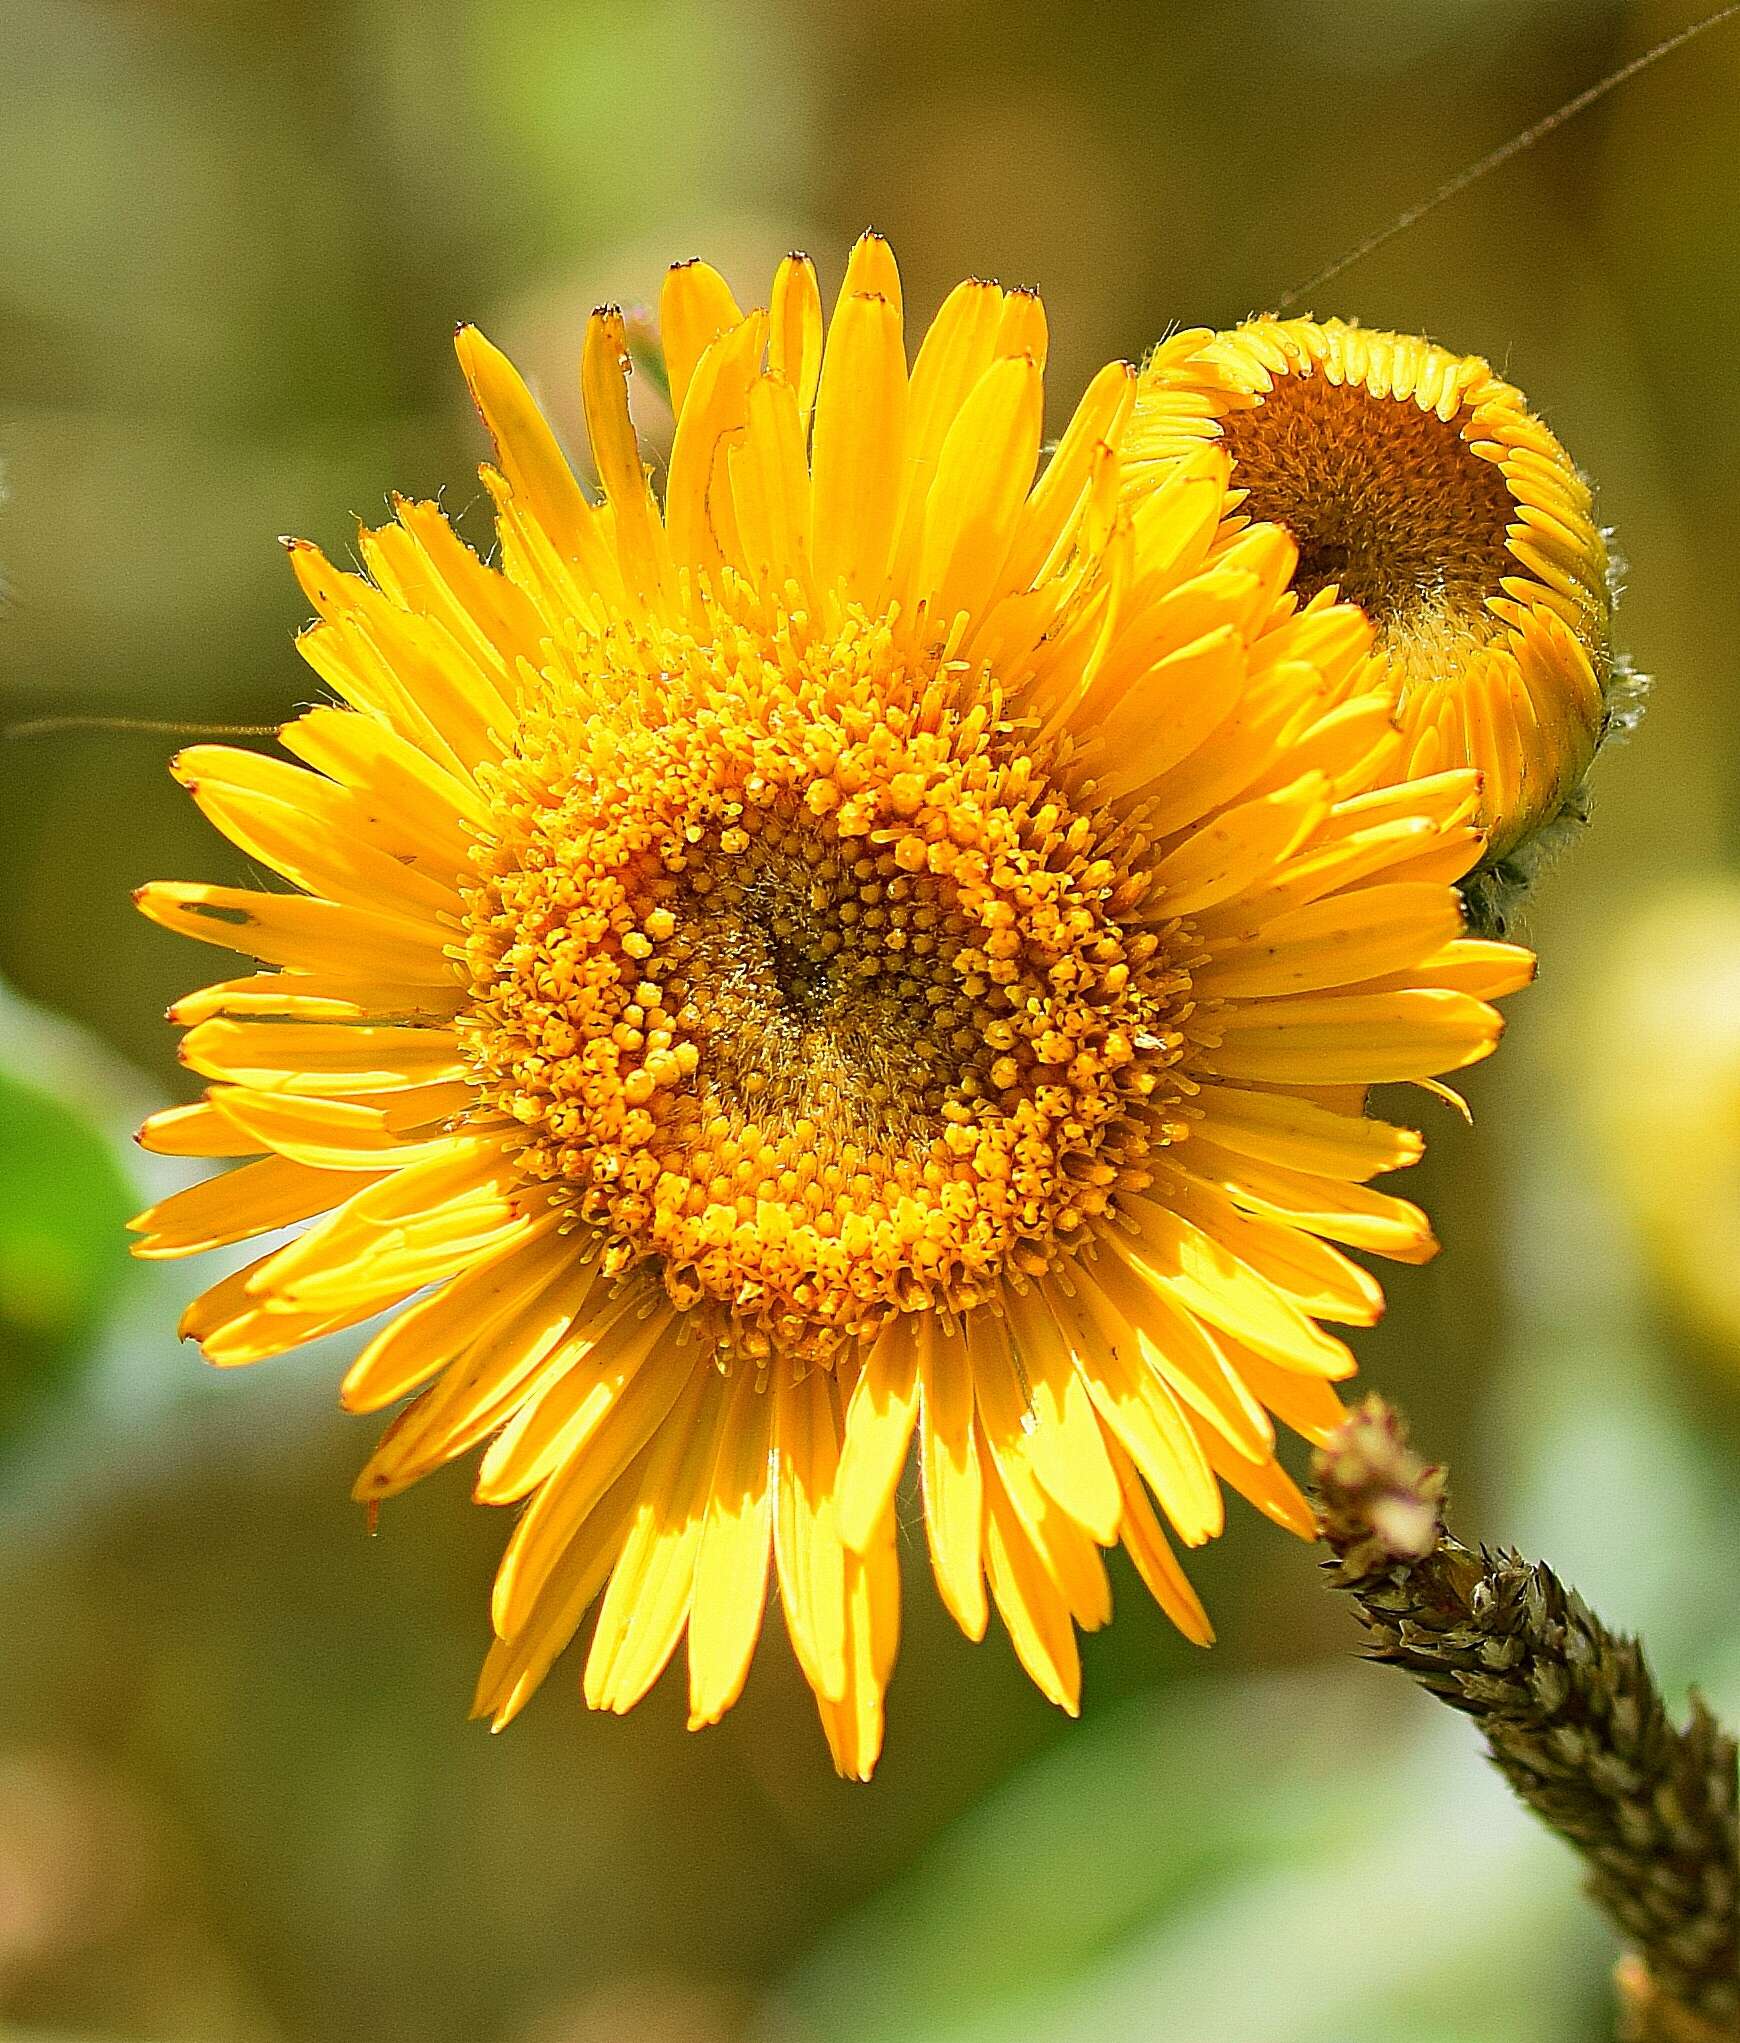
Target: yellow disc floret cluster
point(808, 987)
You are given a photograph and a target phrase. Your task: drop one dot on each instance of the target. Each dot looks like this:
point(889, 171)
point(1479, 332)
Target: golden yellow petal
point(858, 455)
point(1155, 1562)
point(879, 1426)
point(1053, 1407)
point(806, 1532)
point(951, 1478)
point(1030, 1602)
point(604, 392)
point(426, 1336)
point(321, 1057)
point(514, 1668)
point(292, 929)
point(232, 1206)
point(646, 1604)
point(695, 308)
point(794, 332)
point(1301, 1135)
point(731, 1567)
point(197, 1130)
point(853, 1722)
point(1333, 942)
point(1355, 1038)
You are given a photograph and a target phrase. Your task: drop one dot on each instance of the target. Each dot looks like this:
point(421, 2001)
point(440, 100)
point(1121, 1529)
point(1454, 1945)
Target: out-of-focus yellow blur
point(239, 1801)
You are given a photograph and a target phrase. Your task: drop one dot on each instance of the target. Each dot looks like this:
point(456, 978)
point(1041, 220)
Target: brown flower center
point(1386, 501)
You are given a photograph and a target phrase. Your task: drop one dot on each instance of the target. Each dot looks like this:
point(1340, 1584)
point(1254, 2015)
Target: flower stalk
point(1572, 1718)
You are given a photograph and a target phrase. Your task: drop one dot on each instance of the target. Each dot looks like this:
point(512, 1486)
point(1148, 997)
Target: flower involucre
point(892, 942)
point(1419, 486)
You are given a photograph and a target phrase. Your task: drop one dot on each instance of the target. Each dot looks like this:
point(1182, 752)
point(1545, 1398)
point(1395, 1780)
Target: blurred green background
point(239, 1800)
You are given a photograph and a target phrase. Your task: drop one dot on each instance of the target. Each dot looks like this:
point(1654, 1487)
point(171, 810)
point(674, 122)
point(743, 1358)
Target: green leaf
point(64, 1203)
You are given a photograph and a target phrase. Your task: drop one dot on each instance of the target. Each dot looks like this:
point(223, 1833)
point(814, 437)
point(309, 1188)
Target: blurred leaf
point(1669, 1137)
point(1311, 1859)
point(63, 1208)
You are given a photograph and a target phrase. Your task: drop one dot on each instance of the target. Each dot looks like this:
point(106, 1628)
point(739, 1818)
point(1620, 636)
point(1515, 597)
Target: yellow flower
point(1419, 486)
point(892, 942)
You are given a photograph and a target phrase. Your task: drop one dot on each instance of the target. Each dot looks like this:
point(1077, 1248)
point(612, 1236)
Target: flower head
point(1419, 486)
point(891, 941)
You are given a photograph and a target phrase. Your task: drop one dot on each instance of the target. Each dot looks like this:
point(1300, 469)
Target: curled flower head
point(890, 941)
point(1419, 486)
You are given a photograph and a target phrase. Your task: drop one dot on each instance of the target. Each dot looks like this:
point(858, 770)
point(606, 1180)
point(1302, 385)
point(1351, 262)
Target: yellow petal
point(951, 1477)
point(652, 1585)
point(1240, 845)
point(983, 475)
point(1363, 1039)
point(1170, 711)
point(352, 660)
point(455, 1198)
point(1469, 964)
point(695, 308)
point(1346, 937)
point(525, 448)
point(660, 1388)
point(853, 1722)
point(255, 1199)
point(424, 565)
point(1317, 1278)
point(443, 809)
point(696, 503)
point(1209, 1281)
point(292, 929)
point(322, 1057)
point(731, 1567)
point(1265, 1484)
point(1373, 1221)
point(1311, 1406)
point(871, 272)
point(1179, 1350)
point(1050, 519)
point(806, 1532)
point(1062, 1546)
point(1031, 1603)
point(1144, 1415)
point(1155, 1562)
point(859, 449)
point(879, 1425)
point(609, 1375)
point(484, 1383)
point(426, 1336)
point(514, 1668)
point(1065, 1444)
point(327, 1134)
point(318, 835)
point(794, 332)
point(770, 488)
point(1021, 327)
point(604, 364)
point(1300, 1135)
point(956, 351)
point(197, 1130)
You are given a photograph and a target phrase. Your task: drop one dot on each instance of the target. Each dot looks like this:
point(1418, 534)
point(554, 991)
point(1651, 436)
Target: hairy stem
point(1572, 1718)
